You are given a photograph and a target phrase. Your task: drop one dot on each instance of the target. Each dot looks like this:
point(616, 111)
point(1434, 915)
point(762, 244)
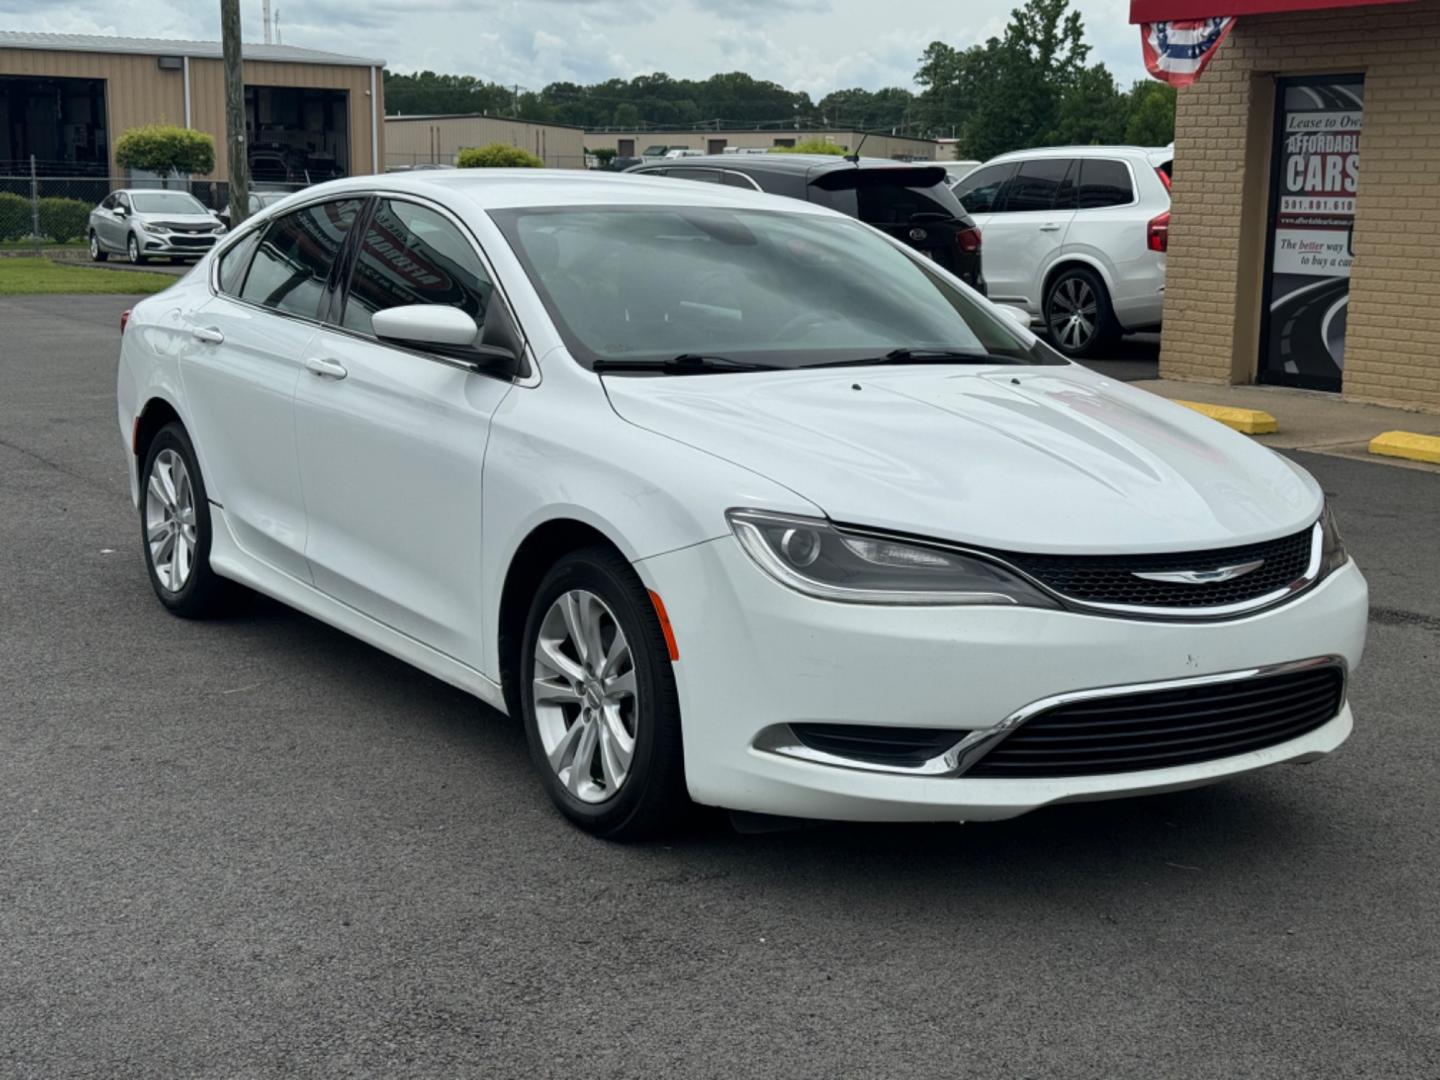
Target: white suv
point(1076, 235)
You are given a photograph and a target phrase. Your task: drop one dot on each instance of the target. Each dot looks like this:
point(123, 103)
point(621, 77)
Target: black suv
point(912, 203)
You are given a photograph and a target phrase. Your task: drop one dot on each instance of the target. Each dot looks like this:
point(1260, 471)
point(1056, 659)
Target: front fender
point(557, 451)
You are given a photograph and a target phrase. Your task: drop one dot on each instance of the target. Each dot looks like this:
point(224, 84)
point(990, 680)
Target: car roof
point(504, 189)
point(1146, 152)
point(791, 163)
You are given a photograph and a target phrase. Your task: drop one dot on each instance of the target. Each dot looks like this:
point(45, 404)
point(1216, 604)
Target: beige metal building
point(634, 144)
point(1304, 242)
point(437, 139)
point(66, 98)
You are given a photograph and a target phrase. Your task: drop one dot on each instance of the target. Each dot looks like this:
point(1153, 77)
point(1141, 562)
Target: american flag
point(1177, 52)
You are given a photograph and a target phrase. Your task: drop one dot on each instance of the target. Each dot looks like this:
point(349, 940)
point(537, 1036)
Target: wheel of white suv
point(97, 253)
point(598, 698)
point(132, 249)
point(1078, 316)
point(175, 527)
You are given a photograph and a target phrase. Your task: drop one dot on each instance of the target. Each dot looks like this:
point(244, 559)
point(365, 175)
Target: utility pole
point(265, 18)
point(236, 150)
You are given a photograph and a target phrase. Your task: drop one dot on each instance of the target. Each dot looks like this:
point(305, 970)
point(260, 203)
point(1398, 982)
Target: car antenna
point(854, 158)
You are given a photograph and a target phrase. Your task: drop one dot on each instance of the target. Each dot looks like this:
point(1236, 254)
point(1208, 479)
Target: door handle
point(326, 368)
point(1050, 226)
point(207, 334)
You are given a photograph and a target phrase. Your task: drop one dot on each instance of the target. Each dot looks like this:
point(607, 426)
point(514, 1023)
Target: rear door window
point(292, 263)
point(705, 176)
point(887, 196)
point(412, 255)
point(1104, 182)
point(980, 192)
point(1036, 185)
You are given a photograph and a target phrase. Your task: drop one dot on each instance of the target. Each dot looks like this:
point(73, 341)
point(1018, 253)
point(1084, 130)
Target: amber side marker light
point(665, 627)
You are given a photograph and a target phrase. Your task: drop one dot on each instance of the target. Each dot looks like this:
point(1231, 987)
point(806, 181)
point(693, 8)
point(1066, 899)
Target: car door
point(240, 368)
point(392, 439)
point(1026, 228)
point(116, 224)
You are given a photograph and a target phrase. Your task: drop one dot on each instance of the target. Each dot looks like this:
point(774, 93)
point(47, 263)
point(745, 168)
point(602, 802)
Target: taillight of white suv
point(1157, 232)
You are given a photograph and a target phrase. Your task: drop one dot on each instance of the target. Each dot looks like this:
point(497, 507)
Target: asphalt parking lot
point(255, 847)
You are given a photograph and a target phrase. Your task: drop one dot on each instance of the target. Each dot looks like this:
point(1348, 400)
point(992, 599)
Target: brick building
point(1305, 230)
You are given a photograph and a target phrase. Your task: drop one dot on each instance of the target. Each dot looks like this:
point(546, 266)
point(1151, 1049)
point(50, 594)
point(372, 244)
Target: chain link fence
point(48, 213)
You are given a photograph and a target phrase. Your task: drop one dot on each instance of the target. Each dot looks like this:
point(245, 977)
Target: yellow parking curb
point(1407, 444)
point(1245, 421)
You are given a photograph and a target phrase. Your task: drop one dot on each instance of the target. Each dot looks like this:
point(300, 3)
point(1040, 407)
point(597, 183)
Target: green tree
point(1091, 111)
point(1007, 93)
point(165, 149)
point(1150, 114)
point(497, 156)
point(810, 146)
point(893, 108)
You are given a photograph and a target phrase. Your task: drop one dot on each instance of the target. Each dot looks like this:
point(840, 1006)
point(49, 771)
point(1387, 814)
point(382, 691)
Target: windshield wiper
point(684, 364)
point(922, 356)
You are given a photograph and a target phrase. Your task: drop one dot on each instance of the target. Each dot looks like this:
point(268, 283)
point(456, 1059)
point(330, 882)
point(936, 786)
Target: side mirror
point(121, 210)
point(451, 332)
point(1019, 316)
point(426, 324)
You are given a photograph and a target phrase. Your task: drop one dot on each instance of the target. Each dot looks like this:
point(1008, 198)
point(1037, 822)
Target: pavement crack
point(86, 480)
point(1387, 616)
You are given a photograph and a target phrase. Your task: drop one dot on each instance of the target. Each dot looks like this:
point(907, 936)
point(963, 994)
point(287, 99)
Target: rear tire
point(97, 253)
point(605, 739)
point(176, 530)
point(1078, 317)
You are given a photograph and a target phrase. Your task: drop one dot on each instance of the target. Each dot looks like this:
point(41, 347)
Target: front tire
point(97, 253)
point(132, 249)
point(1078, 315)
point(598, 699)
point(175, 528)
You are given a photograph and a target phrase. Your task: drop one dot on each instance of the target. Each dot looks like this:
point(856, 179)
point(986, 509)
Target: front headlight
point(1332, 549)
point(811, 556)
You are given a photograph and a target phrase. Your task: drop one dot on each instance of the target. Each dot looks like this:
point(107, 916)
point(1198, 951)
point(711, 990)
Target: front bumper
point(191, 245)
point(754, 655)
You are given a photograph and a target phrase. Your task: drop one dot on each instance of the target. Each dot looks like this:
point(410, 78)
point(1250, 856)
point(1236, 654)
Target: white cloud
point(811, 45)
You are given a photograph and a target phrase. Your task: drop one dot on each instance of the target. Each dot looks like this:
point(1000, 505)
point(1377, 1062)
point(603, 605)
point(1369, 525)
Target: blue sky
point(811, 45)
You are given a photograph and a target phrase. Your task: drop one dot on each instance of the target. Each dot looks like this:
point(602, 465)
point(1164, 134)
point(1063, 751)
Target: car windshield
point(166, 202)
point(764, 287)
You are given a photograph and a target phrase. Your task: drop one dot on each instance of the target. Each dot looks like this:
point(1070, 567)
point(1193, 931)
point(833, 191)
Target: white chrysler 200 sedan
point(731, 500)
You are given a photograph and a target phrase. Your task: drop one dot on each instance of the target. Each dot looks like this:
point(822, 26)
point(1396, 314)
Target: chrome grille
point(1111, 580)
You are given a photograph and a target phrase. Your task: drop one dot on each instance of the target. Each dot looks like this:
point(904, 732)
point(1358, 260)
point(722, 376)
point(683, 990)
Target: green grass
point(31, 277)
point(45, 245)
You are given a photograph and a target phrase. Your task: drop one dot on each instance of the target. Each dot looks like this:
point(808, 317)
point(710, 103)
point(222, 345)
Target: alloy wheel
point(170, 531)
point(133, 249)
point(586, 708)
point(94, 247)
point(1074, 313)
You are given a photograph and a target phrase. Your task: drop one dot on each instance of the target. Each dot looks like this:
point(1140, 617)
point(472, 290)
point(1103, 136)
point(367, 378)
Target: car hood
point(177, 219)
point(1053, 459)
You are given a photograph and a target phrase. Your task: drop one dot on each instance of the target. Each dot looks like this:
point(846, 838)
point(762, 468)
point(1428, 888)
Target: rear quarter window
point(1104, 182)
